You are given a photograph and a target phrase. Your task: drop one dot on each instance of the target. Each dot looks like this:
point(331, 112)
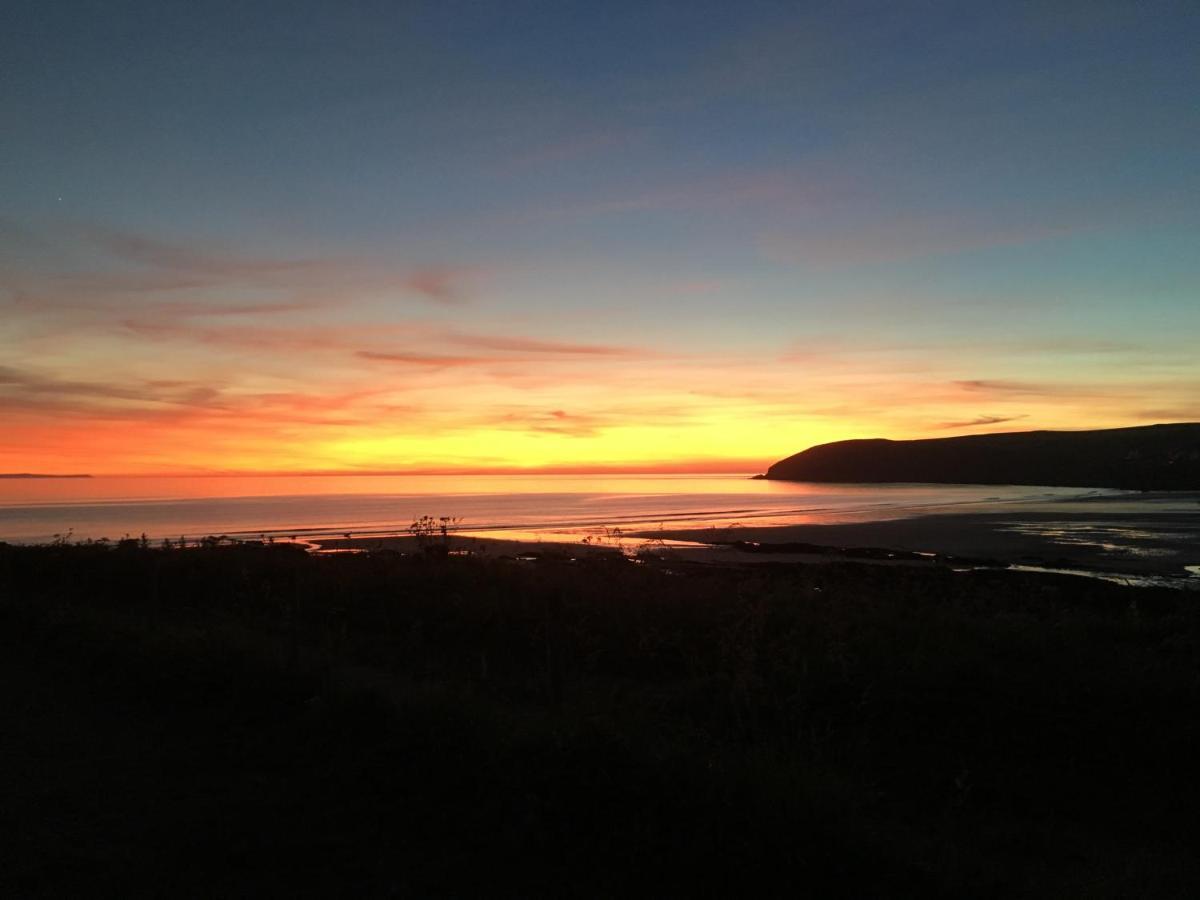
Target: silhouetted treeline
point(258, 720)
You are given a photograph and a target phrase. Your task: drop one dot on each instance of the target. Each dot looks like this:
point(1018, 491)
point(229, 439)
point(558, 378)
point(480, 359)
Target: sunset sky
point(695, 236)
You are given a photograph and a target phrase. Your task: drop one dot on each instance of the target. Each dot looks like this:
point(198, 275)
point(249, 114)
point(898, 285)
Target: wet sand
point(1148, 535)
point(1163, 543)
point(466, 544)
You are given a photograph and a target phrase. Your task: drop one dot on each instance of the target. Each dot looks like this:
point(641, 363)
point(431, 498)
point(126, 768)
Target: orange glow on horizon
point(185, 399)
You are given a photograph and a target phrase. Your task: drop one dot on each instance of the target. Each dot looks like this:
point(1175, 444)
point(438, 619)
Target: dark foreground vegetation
point(257, 721)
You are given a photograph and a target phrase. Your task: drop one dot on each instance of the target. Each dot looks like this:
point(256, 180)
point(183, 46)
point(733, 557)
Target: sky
point(688, 236)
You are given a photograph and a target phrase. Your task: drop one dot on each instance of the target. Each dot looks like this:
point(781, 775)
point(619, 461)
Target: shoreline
point(1149, 535)
point(1159, 549)
point(1160, 544)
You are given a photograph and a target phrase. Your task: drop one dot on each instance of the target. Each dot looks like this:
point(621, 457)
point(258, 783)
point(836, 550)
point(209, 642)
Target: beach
point(716, 519)
point(529, 507)
point(1141, 541)
point(1151, 536)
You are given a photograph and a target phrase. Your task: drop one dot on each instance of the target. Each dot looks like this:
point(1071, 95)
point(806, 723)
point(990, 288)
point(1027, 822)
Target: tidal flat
point(1138, 545)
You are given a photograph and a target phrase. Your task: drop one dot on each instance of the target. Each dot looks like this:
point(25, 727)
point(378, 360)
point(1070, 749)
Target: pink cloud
point(442, 284)
point(139, 266)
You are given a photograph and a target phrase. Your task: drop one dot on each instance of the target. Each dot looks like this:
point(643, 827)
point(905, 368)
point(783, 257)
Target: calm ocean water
point(541, 506)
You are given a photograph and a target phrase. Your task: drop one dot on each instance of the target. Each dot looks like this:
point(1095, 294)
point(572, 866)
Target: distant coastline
point(38, 475)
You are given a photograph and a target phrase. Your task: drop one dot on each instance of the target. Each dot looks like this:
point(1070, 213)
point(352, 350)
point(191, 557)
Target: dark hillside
point(1152, 457)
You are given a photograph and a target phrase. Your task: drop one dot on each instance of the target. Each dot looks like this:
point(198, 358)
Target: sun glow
point(194, 398)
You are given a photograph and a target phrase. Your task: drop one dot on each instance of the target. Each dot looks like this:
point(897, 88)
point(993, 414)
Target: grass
point(257, 720)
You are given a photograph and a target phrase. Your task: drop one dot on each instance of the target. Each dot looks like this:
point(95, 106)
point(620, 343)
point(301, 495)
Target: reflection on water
point(519, 505)
point(1170, 581)
point(1109, 537)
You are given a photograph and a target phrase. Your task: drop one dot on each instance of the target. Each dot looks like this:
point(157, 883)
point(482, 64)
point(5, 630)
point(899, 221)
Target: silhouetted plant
point(433, 535)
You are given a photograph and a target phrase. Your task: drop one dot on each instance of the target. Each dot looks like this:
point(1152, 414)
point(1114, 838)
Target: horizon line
point(722, 467)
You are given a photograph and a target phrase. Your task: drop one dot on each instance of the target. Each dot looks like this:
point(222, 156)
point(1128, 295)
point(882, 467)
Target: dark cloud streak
point(534, 345)
point(428, 360)
point(981, 420)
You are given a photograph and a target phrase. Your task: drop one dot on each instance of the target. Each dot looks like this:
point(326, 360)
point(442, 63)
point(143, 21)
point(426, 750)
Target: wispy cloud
point(442, 284)
point(24, 384)
point(535, 345)
point(1002, 387)
point(198, 259)
point(1172, 414)
point(197, 278)
point(1079, 390)
point(980, 420)
point(555, 421)
point(425, 360)
point(421, 342)
point(282, 338)
point(162, 401)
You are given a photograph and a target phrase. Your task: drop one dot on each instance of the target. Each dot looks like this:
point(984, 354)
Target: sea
point(523, 507)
